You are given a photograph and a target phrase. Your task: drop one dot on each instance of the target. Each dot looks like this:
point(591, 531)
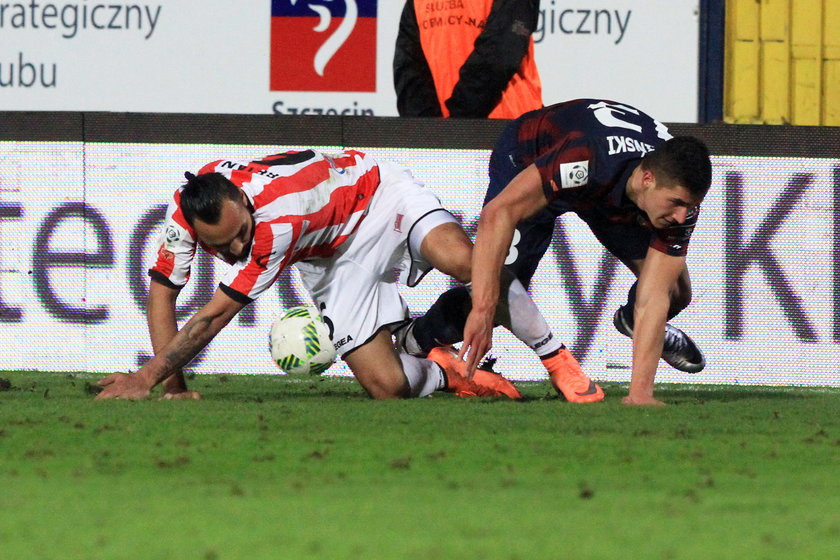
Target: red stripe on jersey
point(573, 153)
point(165, 262)
point(309, 176)
point(321, 251)
point(262, 249)
point(241, 176)
point(260, 253)
point(344, 202)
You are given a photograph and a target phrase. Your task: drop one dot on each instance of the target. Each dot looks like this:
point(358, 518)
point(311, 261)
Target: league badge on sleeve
point(574, 174)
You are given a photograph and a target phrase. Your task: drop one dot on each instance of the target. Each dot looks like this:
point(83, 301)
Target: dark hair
point(202, 196)
point(684, 161)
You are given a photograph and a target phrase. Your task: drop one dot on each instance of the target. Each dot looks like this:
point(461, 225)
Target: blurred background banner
point(318, 56)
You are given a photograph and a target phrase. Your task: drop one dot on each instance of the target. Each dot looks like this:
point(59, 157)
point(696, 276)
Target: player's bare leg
point(449, 250)
point(386, 374)
point(377, 368)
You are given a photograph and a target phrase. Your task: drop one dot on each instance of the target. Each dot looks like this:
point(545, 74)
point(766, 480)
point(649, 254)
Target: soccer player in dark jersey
point(636, 187)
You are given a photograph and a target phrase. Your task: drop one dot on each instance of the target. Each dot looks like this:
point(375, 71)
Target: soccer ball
point(300, 343)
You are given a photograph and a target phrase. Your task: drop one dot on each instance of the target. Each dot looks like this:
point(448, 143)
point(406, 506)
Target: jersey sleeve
point(271, 252)
point(175, 248)
point(674, 240)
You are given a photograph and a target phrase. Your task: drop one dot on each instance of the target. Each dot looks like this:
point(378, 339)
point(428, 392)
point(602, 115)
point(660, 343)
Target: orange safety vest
point(448, 30)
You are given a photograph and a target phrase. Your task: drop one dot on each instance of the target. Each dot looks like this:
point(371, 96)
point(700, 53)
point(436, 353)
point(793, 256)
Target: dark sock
point(627, 309)
point(552, 354)
point(444, 322)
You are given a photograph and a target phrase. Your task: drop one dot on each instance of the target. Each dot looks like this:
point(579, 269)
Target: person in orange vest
point(467, 58)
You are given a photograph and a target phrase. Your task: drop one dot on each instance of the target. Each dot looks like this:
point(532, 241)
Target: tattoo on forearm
point(195, 335)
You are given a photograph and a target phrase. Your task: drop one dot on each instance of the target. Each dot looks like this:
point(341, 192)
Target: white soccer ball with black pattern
point(300, 343)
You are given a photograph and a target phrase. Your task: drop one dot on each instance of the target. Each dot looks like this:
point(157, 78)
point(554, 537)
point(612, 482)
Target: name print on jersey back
point(625, 144)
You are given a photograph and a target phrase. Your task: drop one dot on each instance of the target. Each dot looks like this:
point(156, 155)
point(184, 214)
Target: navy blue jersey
point(585, 151)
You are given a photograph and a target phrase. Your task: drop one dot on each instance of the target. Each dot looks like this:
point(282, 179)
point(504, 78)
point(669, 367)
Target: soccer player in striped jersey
point(637, 188)
point(347, 222)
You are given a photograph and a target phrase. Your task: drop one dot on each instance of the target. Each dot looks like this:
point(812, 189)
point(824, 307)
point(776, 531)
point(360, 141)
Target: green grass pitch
point(278, 467)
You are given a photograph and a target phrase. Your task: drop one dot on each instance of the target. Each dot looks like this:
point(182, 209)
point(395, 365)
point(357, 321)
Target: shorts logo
point(574, 174)
point(323, 45)
point(398, 223)
point(347, 339)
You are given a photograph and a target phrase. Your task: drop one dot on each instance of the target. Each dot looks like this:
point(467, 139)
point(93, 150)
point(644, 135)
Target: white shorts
point(356, 289)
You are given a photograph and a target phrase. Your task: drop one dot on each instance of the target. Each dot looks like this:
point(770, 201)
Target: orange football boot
point(569, 380)
point(484, 383)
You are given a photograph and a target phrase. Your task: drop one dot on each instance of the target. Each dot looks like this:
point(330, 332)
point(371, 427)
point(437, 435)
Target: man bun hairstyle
point(202, 196)
point(682, 160)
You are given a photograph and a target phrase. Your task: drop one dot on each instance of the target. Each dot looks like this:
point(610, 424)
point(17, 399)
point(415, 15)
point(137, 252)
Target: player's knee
point(380, 388)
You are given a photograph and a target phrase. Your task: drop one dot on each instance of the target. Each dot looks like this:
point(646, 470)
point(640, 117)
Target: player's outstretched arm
point(653, 298)
point(163, 326)
point(521, 198)
point(190, 340)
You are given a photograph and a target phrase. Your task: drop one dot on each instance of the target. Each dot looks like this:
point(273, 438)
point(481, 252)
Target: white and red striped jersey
point(306, 204)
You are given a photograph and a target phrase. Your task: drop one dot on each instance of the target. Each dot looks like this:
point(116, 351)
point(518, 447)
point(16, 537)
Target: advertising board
point(78, 222)
point(317, 56)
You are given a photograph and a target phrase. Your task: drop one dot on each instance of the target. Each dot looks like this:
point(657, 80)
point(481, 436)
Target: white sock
point(518, 313)
point(424, 376)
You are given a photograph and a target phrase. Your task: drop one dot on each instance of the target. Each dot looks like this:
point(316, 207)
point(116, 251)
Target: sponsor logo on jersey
point(331, 160)
point(573, 174)
point(165, 255)
point(323, 45)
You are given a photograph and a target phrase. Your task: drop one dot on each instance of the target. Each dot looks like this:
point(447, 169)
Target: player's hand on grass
point(122, 385)
point(185, 395)
point(478, 339)
point(641, 401)
point(175, 389)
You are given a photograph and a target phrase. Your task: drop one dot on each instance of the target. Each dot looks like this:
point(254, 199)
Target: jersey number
point(513, 252)
point(610, 115)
